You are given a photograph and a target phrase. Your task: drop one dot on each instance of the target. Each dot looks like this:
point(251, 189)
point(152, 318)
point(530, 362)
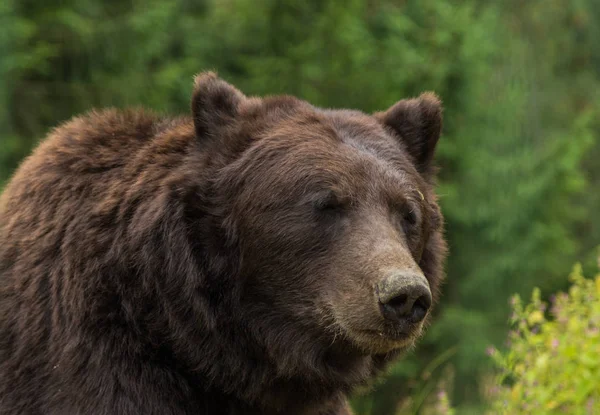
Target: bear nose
point(404, 297)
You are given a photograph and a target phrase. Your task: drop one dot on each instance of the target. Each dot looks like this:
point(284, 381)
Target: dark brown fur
point(187, 266)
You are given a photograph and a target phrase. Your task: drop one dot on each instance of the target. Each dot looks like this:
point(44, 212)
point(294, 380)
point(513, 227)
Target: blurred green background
point(520, 178)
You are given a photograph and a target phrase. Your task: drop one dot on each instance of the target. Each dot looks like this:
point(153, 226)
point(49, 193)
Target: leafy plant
point(553, 363)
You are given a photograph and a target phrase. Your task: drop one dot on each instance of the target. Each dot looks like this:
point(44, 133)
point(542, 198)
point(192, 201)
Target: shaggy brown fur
point(219, 264)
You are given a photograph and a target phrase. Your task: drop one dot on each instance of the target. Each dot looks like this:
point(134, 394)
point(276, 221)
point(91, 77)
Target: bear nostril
point(398, 302)
point(420, 308)
point(410, 303)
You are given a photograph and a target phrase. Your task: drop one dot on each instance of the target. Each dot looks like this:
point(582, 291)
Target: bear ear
point(214, 103)
point(418, 122)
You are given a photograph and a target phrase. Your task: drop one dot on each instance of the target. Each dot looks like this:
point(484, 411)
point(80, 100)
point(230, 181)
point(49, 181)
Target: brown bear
point(263, 256)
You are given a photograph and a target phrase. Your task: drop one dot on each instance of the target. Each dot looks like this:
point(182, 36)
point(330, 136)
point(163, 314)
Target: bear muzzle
point(404, 298)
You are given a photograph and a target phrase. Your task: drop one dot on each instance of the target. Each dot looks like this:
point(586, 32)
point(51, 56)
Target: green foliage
point(553, 364)
point(520, 85)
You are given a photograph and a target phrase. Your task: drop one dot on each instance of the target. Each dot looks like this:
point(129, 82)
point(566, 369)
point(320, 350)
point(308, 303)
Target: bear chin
point(382, 341)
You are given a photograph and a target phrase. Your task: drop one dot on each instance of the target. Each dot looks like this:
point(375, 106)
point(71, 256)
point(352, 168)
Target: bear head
point(333, 221)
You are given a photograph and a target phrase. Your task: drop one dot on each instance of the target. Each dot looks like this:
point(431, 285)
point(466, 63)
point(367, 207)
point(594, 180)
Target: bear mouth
point(387, 339)
point(377, 336)
point(395, 335)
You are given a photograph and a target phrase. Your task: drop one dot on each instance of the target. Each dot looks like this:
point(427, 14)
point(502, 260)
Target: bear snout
point(404, 297)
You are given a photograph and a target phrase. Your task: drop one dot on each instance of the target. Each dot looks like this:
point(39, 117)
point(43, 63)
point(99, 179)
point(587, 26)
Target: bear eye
point(410, 217)
point(329, 202)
